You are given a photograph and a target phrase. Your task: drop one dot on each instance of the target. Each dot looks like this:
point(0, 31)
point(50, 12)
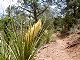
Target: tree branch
point(42, 11)
point(25, 9)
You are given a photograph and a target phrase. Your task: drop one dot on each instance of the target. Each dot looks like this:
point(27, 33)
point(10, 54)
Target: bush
point(22, 45)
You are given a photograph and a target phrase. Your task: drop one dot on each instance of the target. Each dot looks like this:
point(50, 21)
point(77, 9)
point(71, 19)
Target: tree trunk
point(35, 12)
point(35, 15)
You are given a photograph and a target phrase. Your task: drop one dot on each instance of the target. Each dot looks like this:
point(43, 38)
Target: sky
point(4, 4)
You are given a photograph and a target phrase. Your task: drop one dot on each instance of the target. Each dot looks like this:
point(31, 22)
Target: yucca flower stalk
point(33, 31)
point(30, 36)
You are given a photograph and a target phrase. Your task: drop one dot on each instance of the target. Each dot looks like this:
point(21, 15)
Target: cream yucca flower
point(33, 31)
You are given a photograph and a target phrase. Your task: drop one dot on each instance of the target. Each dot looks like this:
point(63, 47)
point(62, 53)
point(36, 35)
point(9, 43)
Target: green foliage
point(47, 36)
point(68, 22)
point(65, 24)
point(1, 25)
point(1, 57)
point(48, 19)
point(30, 1)
point(18, 48)
point(58, 24)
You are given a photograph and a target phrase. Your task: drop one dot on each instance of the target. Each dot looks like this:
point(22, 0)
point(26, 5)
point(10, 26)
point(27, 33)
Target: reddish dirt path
point(57, 51)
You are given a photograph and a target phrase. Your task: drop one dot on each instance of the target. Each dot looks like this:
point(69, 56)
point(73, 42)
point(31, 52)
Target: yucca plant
point(22, 46)
point(31, 42)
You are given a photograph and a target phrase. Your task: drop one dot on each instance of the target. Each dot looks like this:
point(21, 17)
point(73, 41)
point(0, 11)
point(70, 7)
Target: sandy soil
point(58, 51)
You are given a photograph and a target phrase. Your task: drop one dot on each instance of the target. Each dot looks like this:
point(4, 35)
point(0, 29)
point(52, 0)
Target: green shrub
point(22, 45)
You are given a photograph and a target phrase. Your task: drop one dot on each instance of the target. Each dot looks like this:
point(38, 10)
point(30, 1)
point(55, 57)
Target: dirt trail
point(57, 50)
